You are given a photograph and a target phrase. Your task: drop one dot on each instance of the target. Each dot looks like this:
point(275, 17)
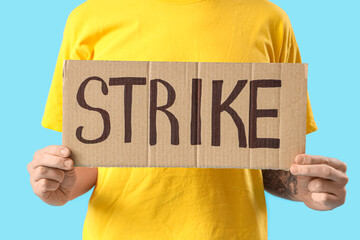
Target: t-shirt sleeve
point(290, 53)
point(70, 49)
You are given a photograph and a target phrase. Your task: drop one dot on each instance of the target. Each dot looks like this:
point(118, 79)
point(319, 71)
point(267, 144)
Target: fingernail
point(68, 163)
point(294, 169)
point(300, 160)
point(64, 152)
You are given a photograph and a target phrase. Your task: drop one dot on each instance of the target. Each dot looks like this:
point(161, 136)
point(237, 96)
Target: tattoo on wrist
point(280, 183)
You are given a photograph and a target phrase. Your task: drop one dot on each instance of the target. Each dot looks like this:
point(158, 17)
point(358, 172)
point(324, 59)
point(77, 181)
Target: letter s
point(104, 114)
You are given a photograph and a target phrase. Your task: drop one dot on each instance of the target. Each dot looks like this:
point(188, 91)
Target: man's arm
point(85, 179)
point(281, 184)
point(317, 181)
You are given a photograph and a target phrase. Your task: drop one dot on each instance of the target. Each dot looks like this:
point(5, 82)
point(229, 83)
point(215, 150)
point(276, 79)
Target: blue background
point(31, 33)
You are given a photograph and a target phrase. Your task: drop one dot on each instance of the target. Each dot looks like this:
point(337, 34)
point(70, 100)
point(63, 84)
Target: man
point(179, 203)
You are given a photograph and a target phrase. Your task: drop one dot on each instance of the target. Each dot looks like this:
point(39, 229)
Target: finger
point(49, 173)
point(329, 200)
point(52, 161)
point(305, 159)
point(57, 150)
point(44, 186)
point(326, 186)
point(319, 170)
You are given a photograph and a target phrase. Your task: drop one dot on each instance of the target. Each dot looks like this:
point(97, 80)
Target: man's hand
point(320, 181)
point(52, 174)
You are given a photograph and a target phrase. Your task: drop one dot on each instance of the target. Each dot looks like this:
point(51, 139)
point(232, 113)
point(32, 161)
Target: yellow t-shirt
point(175, 203)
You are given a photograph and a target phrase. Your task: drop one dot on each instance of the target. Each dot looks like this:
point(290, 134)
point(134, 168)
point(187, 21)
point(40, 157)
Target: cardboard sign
point(184, 114)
